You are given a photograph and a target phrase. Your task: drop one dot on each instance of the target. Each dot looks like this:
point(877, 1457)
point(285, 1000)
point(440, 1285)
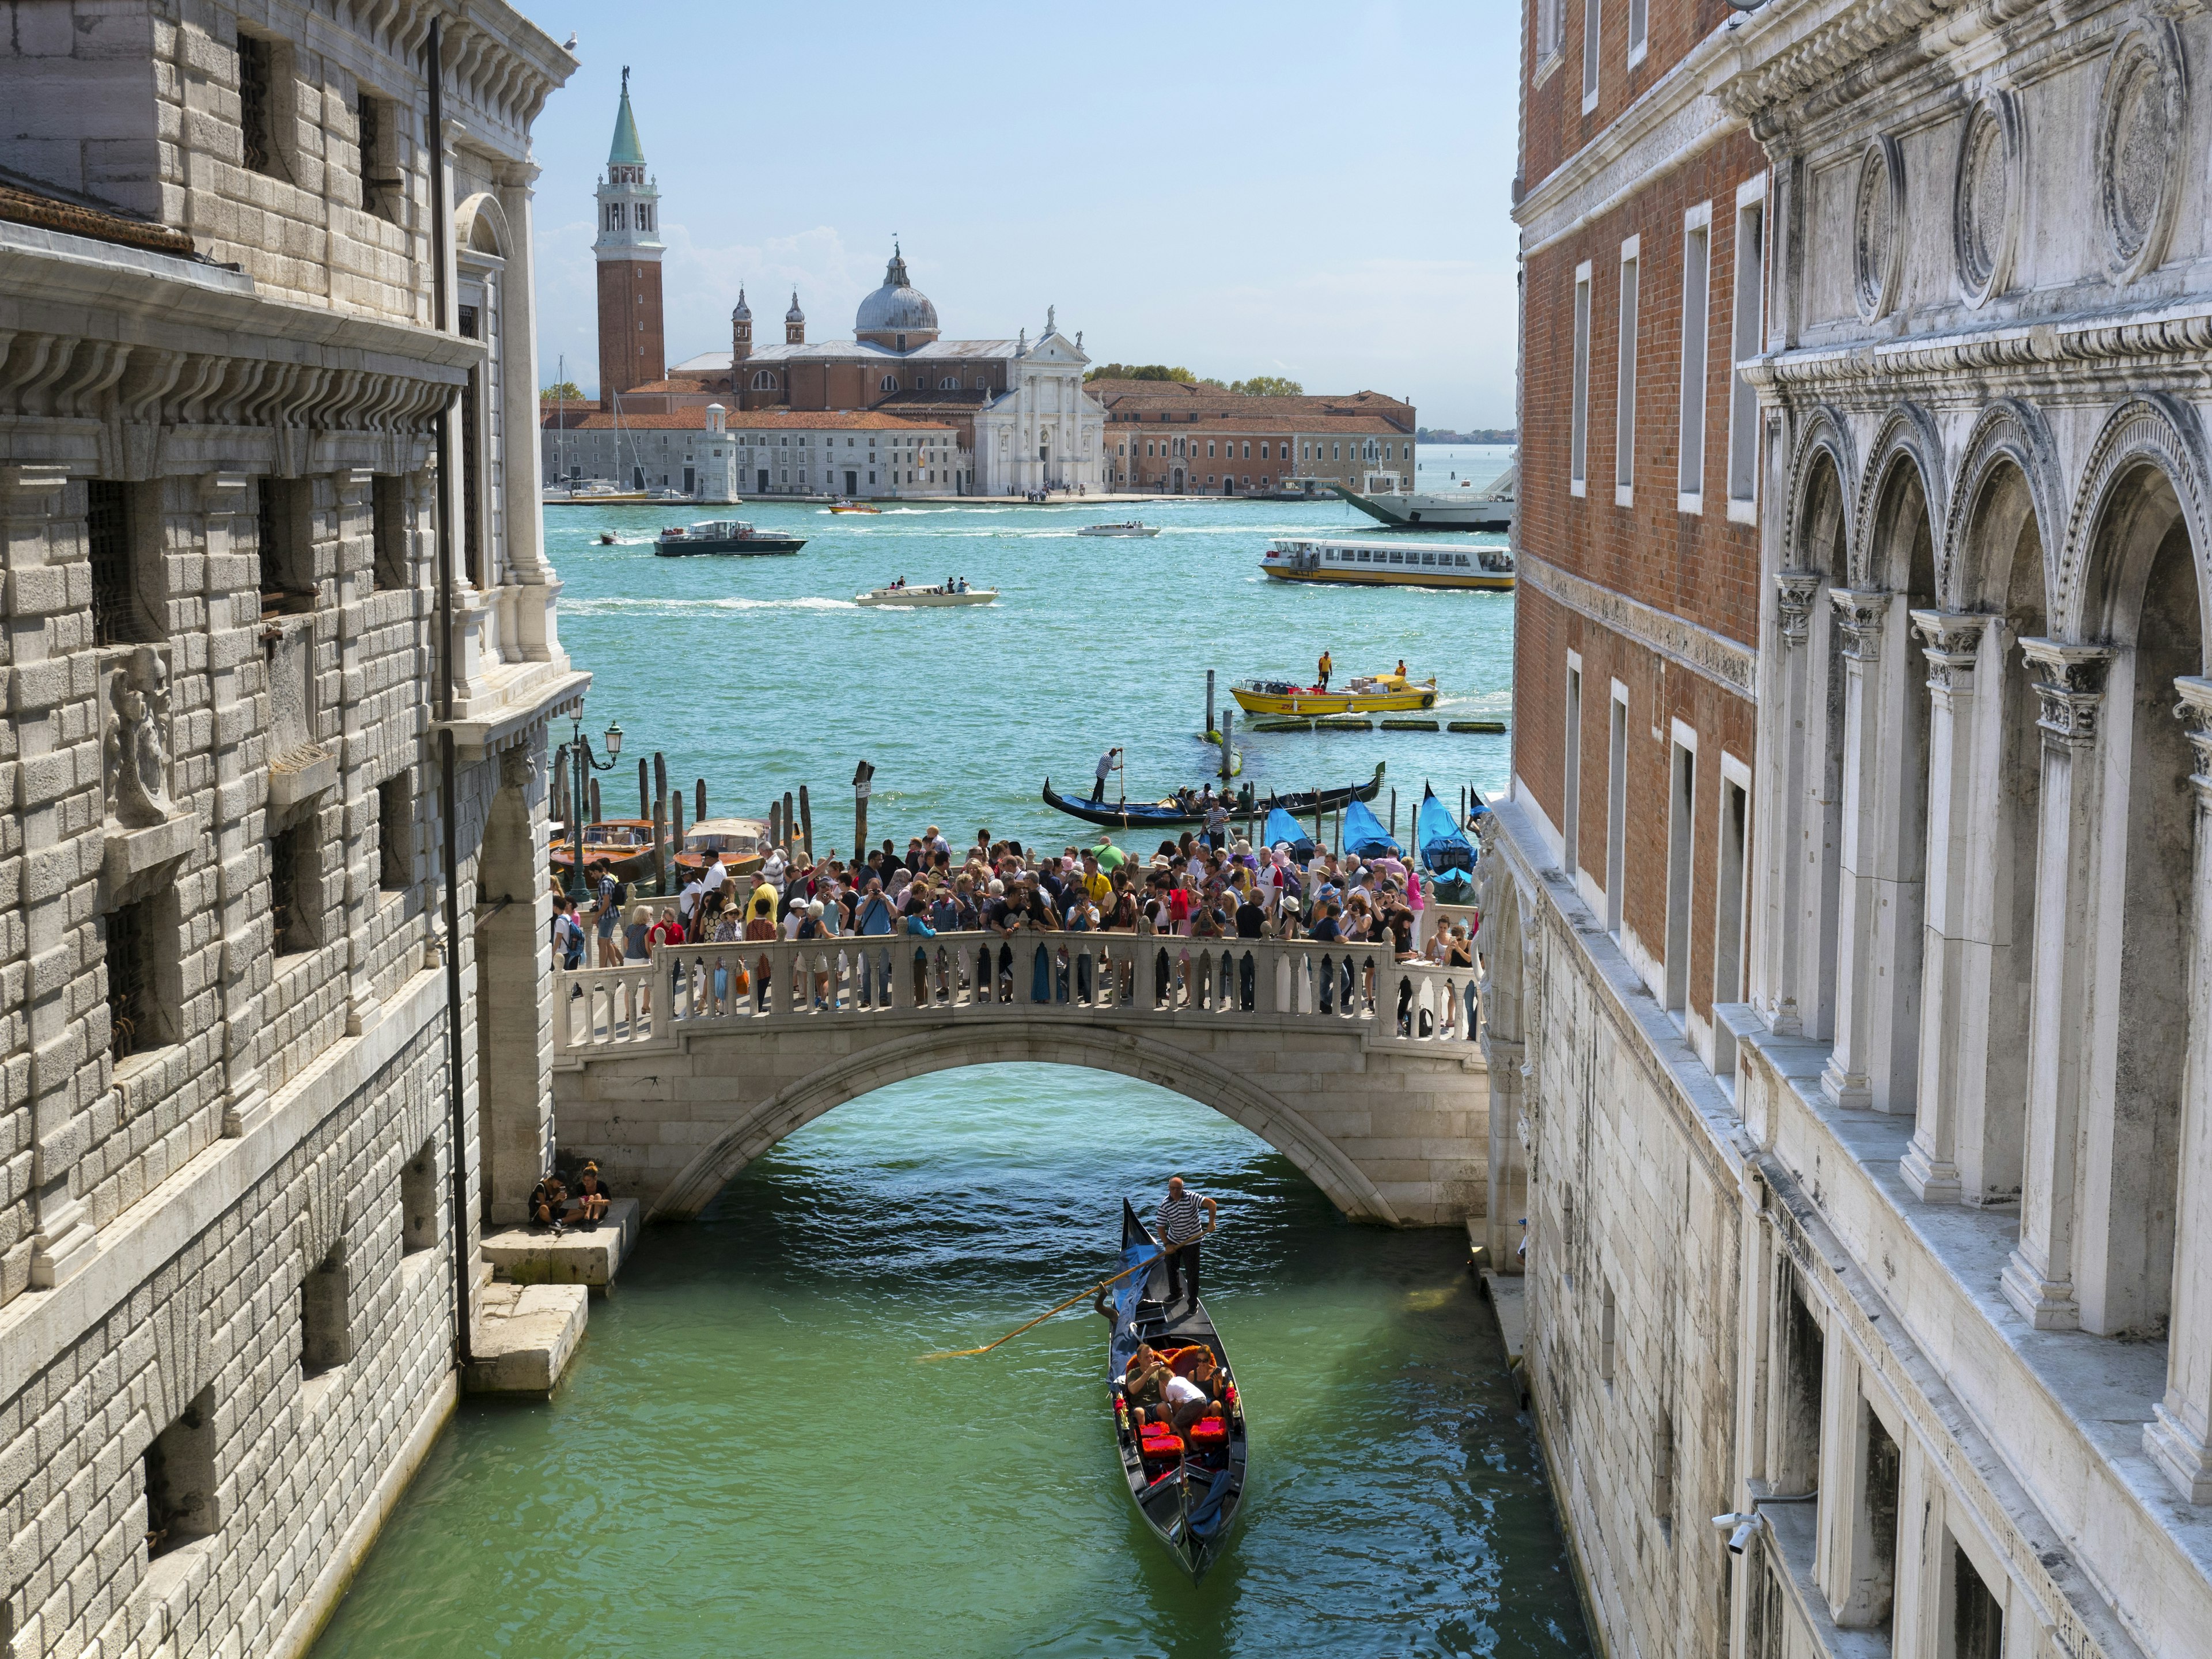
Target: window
point(286, 545)
point(1796, 1463)
point(325, 1328)
point(382, 185)
point(1976, 1621)
point(1624, 448)
point(419, 1199)
point(1551, 32)
point(1696, 274)
point(1729, 887)
point(1605, 1337)
point(1639, 15)
point(388, 533)
point(644, 221)
point(257, 115)
point(765, 381)
point(1616, 809)
point(1874, 1541)
point(115, 612)
point(139, 1013)
point(295, 885)
point(1571, 793)
point(180, 1479)
point(395, 835)
point(1590, 8)
point(1681, 845)
point(1578, 438)
point(1747, 339)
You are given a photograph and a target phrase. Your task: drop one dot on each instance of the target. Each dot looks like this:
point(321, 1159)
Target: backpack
point(621, 894)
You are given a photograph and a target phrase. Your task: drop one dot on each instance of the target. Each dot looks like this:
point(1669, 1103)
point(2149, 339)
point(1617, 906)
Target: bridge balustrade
point(1121, 978)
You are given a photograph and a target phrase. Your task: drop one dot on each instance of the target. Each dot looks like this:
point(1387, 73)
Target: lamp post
point(579, 750)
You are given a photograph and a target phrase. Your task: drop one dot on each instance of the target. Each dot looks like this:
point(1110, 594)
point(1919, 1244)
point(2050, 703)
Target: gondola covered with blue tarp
point(1284, 830)
point(1444, 846)
point(1364, 834)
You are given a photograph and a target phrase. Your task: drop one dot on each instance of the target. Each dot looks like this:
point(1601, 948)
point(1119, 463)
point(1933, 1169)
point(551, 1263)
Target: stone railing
point(693, 990)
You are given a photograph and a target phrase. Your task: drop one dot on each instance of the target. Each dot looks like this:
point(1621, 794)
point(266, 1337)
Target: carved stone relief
point(1877, 229)
point(136, 746)
point(1862, 616)
point(2071, 685)
point(2140, 145)
point(1985, 208)
point(1794, 592)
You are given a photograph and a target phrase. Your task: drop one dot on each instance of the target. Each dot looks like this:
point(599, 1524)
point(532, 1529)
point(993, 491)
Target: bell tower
point(633, 350)
point(794, 323)
point(741, 337)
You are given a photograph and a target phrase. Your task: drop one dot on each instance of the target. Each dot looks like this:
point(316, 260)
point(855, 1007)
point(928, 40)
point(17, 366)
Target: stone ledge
point(521, 1256)
point(301, 777)
point(524, 1336)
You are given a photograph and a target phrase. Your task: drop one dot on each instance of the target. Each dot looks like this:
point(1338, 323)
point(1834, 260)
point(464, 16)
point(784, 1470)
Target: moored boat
point(917, 597)
point(1131, 527)
point(1390, 563)
point(1370, 694)
point(1183, 807)
point(1188, 1487)
point(722, 536)
point(625, 843)
point(742, 843)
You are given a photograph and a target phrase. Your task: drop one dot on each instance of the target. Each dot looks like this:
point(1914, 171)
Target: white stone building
point(274, 1039)
point(713, 454)
point(1043, 432)
point(1910, 1252)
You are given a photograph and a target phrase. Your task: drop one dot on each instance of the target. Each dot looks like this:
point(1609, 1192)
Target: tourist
point(687, 903)
point(1180, 1233)
point(872, 918)
point(549, 1202)
point(607, 914)
point(589, 1206)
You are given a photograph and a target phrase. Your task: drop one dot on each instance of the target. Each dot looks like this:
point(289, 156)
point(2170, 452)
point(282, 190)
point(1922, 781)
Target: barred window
point(107, 527)
point(388, 533)
point(294, 887)
point(130, 976)
point(256, 113)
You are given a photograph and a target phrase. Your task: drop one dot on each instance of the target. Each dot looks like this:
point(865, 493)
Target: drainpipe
point(449, 802)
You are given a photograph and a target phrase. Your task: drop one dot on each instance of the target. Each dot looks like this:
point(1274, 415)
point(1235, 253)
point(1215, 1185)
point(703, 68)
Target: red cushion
point(1163, 1446)
point(1211, 1434)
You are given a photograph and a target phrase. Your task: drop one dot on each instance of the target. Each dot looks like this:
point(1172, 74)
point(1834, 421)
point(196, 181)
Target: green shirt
point(1111, 858)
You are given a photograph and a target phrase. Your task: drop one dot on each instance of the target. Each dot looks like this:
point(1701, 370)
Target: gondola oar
point(967, 1353)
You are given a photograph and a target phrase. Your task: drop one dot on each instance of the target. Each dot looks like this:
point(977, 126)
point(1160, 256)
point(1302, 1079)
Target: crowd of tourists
point(1197, 888)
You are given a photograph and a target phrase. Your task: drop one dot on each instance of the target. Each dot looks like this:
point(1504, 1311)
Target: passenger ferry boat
point(1131, 527)
point(722, 536)
point(1392, 563)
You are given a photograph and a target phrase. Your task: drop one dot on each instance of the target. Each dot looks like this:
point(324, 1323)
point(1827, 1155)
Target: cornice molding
point(1688, 645)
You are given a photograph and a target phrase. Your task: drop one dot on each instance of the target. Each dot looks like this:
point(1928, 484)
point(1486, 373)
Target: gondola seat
point(1160, 1444)
point(1209, 1434)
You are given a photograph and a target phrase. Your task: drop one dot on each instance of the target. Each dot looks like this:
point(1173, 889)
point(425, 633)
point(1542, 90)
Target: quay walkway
point(1362, 1070)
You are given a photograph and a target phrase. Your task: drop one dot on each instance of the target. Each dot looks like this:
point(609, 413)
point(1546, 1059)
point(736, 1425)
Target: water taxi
point(721, 536)
point(1371, 695)
point(742, 843)
point(898, 594)
point(1391, 564)
point(1133, 528)
point(852, 507)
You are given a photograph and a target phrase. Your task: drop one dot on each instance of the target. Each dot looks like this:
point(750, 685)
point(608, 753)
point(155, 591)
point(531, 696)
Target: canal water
point(747, 1455)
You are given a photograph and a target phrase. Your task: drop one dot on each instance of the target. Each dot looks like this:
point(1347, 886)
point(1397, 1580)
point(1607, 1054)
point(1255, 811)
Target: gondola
point(1187, 1488)
point(1124, 815)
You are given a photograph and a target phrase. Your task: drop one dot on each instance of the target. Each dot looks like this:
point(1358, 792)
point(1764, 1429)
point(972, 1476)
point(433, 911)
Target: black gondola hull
point(1194, 1506)
point(1131, 815)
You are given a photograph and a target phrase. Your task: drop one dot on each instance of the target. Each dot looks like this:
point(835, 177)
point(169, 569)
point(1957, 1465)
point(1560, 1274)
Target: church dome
point(896, 307)
point(794, 315)
point(744, 314)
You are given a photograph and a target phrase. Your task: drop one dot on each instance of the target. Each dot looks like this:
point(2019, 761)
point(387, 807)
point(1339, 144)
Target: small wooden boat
point(1187, 1487)
point(625, 843)
point(1182, 808)
point(1130, 527)
point(1377, 694)
point(852, 507)
point(742, 843)
point(926, 596)
point(721, 536)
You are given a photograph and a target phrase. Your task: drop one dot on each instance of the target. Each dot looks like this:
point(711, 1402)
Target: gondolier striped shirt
point(1179, 1219)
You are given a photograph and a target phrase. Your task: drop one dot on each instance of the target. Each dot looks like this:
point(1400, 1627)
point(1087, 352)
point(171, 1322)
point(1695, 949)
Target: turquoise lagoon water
point(747, 1457)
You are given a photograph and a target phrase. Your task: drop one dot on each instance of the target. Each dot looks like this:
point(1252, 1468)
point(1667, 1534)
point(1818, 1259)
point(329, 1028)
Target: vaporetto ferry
point(1393, 564)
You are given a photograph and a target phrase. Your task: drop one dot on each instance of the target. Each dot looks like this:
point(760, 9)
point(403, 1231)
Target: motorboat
point(722, 536)
point(742, 843)
point(1188, 1485)
point(1390, 563)
point(1370, 694)
point(1133, 528)
point(626, 844)
point(1188, 806)
point(606, 538)
point(914, 598)
point(852, 507)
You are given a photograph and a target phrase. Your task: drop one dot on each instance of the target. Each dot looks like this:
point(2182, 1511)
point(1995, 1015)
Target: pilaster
point(1862, 614)
point(2039, 1280)
point(1784, 970)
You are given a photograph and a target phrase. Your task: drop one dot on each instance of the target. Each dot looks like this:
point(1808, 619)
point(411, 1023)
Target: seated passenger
point(1144, 1384)
point(1190, 1397)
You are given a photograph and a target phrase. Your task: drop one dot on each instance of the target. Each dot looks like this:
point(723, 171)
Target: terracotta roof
point(742, 420)
point(28, 206)
point(683, 383)
point(1288, 424)
point(1153, 398)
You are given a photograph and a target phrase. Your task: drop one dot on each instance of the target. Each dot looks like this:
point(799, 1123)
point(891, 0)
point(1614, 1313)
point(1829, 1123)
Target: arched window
point(890, 384)
point(644, 217)
point(949, 383)
point(765, 381)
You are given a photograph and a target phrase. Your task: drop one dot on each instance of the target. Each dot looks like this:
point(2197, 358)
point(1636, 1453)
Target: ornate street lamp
point(584, 764)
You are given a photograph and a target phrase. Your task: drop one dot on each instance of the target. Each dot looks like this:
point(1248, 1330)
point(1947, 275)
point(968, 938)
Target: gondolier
point(1107, 763)
point(1180, 1233)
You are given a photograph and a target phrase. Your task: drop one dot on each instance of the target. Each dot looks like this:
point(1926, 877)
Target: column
point(1862, 616)
point(2039, 1280)
point(235, 674)
point(2179, 1436)
point(1954, 1005)
point(1785, 716)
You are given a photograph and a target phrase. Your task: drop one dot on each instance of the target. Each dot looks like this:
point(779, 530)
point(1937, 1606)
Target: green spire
point(626, 150)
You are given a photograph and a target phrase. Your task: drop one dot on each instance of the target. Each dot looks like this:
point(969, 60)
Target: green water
point(745, 1457)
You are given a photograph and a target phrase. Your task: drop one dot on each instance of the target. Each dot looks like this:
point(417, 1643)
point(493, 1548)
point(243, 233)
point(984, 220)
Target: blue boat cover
point(1444, 846)
point(1363, 833)
point(1283, 829)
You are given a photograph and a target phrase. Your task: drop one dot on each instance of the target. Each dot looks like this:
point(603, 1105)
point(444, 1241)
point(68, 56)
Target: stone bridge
point(1362, 1070)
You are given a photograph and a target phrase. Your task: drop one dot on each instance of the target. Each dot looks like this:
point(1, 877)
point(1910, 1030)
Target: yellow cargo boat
point(1377, 694)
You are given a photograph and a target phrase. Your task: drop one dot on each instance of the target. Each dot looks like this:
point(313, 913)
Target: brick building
point(1846, 926)
point(269, 1063)
point(1179, 437)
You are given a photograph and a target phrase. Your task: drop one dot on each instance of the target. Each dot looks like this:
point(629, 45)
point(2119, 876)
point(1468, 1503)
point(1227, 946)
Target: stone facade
point(1182, 437)
point(716, 456)
point(1899, 1243)
point(229, 1248)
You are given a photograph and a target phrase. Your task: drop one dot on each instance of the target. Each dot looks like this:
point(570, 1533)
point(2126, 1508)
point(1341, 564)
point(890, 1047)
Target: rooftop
point(740, 419)
point(25, 200)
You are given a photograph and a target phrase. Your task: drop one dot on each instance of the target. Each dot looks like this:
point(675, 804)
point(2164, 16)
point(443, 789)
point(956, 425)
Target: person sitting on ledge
point(589, 1206)
point(549, 1202)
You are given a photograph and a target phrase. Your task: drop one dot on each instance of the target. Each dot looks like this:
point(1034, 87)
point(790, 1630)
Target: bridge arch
point(912, 1054)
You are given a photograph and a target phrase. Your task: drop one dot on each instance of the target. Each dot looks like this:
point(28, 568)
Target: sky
point(1318, 191)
